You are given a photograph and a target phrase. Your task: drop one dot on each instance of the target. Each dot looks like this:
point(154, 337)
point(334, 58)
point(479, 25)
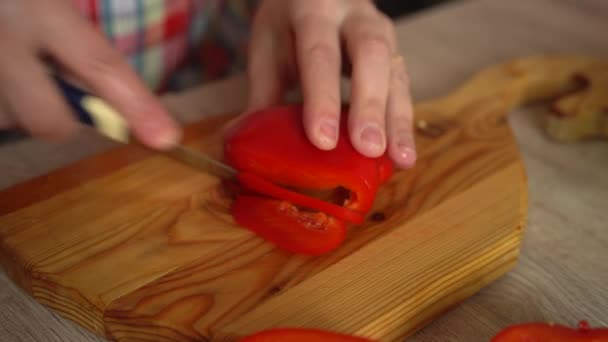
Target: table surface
point(562, 275)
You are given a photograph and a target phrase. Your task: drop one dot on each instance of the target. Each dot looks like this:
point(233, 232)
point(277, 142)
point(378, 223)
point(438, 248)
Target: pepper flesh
point(272, 153)
point(283, 224)
point(545, 332)
point(255, 183)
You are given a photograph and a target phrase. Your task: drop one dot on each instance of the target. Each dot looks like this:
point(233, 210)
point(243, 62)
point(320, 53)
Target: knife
point(93, 111)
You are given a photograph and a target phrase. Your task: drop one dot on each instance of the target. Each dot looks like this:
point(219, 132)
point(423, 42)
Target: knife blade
point(93, 111)
point(202, 162)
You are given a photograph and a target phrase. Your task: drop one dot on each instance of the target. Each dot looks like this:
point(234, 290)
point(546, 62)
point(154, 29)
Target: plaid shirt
point(173, 44)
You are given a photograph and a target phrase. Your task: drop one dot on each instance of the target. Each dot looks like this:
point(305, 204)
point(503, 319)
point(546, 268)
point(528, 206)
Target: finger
point(30, 98)
point(401, 146)
point(318, 50)
point(263, 70)
point(92, 60)
point(370, 48)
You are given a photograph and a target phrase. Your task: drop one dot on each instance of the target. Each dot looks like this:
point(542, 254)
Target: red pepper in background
point(301, 335)
point(545, 332)
point(527, 332)
point(273, 153)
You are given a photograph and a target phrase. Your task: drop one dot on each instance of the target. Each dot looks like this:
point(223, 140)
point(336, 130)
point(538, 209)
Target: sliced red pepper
point(546, 332)
point(283, 224)
point(273, 153)
point(272, 144)
point(301, 335)
point(256, 183)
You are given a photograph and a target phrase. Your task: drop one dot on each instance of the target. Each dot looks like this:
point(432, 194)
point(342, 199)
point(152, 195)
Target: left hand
point(301, 39)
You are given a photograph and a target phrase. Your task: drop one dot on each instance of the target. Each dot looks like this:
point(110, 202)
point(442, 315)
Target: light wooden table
point(563, 273)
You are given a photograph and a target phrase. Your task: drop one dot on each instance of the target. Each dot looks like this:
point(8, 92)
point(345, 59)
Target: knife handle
point(93, 111)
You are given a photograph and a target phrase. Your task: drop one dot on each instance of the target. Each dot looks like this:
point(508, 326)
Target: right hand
point(33, 31)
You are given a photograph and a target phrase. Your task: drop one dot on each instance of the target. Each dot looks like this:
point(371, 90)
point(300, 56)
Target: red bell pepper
point(545, 332)
point(274, 155)
point(301, 335)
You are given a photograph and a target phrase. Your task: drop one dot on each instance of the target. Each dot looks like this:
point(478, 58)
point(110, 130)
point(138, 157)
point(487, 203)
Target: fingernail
point(406, 154)
point(159, 135)
point(372, 138)
point(167, 139)
point(329, 133)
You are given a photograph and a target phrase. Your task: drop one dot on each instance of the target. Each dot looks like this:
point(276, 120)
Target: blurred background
point(399, 8)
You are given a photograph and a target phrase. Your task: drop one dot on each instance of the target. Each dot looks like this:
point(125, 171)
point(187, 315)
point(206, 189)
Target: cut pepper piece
point(545, 332)
point(256, 183)
point(284, 225)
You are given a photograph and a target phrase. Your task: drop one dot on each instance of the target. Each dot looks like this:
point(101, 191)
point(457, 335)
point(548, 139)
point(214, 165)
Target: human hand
point(301, 39)
point(34, 32)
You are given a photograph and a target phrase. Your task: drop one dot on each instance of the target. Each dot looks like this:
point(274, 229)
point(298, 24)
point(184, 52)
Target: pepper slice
point(545, 332)
point(272, 153)
point(283, 224)
point(301, 335)
point(256, 183)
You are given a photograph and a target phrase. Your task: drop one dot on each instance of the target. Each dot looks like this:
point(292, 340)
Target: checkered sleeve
point(173, 44)
point(221, 48)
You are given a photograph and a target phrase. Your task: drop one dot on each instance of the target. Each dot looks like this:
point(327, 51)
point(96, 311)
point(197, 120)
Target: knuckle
point(376, 46)
point(310, 20)
point(321, 52)
point(373, 106)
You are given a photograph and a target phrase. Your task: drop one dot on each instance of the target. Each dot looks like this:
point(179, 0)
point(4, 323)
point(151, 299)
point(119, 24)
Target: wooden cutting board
point(134, 246)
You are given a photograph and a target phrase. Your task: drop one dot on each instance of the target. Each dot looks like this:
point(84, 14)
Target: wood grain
point(45, 186)
point(179, 251)
point(411, 274)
